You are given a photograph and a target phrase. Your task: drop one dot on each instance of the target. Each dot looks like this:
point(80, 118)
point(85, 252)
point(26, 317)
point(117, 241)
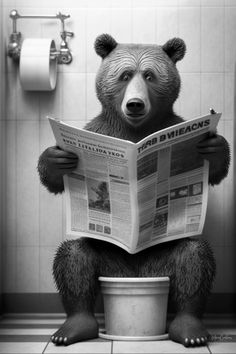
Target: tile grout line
point(112, 346)
point(208, 347)
point(44, 350)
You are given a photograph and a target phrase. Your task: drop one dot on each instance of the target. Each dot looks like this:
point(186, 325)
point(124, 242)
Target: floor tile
point(154, 347)
point(24, 338)
point(27, 331)
point(22, 347)
point(222, 348)
point(93, 346)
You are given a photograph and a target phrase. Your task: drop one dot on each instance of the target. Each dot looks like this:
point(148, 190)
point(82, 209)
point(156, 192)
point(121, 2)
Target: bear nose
point(135, 105)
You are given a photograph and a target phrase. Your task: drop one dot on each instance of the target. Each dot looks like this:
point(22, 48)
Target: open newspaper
point(136, 195)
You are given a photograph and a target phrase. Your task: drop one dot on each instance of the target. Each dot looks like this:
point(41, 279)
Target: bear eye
point(125, 76)
point(149, 76)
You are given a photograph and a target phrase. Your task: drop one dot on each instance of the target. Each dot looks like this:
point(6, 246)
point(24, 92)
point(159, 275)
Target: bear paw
point(188, 330)
point(77, 327)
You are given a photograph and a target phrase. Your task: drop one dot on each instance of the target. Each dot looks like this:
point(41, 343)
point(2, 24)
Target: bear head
point(138, 82)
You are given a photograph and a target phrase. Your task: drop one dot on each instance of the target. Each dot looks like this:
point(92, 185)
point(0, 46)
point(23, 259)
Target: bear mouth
point(135, 118)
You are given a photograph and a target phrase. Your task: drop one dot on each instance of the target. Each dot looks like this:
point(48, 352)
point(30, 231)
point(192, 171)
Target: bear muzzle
point(135, 106)
point(135, 111)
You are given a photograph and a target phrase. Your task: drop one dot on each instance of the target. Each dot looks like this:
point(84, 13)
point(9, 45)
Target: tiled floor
point(30, 334)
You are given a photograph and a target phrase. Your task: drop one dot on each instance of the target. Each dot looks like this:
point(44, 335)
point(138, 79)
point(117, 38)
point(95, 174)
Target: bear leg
point(195, 272)
point(77, 266)
point(75, 272)
point(191, 267)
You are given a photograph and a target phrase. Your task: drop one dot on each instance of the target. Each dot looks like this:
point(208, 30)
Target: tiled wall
point(35, 223)
point(2, 154)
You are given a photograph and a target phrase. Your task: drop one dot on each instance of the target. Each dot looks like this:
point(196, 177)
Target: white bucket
point(135, 307)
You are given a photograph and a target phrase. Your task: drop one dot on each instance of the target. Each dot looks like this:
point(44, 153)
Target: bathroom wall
point(2, 155)
point(34, 219)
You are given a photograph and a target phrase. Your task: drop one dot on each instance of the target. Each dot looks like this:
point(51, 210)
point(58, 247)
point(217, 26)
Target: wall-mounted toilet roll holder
point(63, 56)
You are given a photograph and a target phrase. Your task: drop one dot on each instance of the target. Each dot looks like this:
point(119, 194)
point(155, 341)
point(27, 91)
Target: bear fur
point(137, 86)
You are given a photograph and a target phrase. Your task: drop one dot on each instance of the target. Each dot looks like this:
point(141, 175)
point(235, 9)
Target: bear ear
point(175, 48)
point(104, 44)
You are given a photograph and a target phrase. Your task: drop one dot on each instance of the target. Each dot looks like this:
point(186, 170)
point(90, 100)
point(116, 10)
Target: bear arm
point(217, 172)
point(53, 185)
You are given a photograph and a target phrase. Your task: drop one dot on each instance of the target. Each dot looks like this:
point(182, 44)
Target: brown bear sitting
point(137, 86)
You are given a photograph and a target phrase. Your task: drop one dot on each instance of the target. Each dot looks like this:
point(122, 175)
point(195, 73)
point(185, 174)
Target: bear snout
point(135, 106)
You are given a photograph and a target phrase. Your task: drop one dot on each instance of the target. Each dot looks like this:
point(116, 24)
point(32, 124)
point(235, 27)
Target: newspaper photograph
point(136, 195)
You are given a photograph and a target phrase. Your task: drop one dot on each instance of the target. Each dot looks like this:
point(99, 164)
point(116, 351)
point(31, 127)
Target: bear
point(137, 85)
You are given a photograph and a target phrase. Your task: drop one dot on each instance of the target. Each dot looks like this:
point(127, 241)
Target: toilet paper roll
point(38, 72)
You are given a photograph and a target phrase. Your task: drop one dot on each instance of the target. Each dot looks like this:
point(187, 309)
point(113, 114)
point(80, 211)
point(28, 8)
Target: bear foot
point(77, 327)
point(188, 330)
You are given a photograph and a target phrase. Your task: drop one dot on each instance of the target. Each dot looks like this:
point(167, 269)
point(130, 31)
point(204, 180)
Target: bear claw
point(198, 341)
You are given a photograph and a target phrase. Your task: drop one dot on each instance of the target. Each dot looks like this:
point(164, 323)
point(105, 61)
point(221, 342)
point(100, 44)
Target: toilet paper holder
point(63, 55)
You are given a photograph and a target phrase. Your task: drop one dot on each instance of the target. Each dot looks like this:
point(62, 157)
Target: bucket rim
point(134, 280)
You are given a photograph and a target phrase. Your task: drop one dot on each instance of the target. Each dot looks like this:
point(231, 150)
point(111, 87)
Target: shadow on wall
point(234, 146)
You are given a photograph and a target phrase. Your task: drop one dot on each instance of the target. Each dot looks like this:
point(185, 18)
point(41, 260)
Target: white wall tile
point(50, 28)
point(176, 107)
point(10, 93)
point(59, 4)
point(190, 95)
point(29, 28)
point(27, 269)
point(51, 102)
point(64, 217)
point(230, 35)
point(50, 4)
point(74, 96)
point(209, 3)
point(229, 189)
point(121, 33)
point(9, 269)
point(187, 3)
point(27, 183)
point(144, 33)
point(212, 92)
point(98, 22)
point(212, 39)
point(27, 104)
point(93, 104)
point(50, 218)
point(10, 186)
point(7, 3)
point(121, 3)
point(229, 210)
point(230, 3)
point(189, 31)
point(155, 3)
point(99, 3)
point(229, 96)
point(46, 137)
point(77, 44)
point(214, 224)
point(46, 256)
point(167, 25)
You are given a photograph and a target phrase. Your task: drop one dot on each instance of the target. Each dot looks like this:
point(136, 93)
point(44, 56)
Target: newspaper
point(136, 195)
